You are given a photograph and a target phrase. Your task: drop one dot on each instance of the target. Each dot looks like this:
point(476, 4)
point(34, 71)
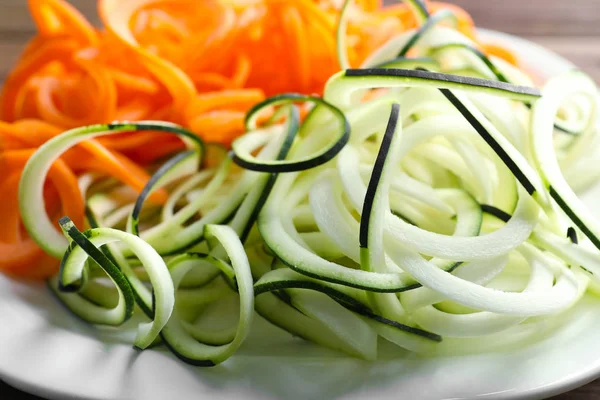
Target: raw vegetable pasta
point(426, 198)
point(199, 64)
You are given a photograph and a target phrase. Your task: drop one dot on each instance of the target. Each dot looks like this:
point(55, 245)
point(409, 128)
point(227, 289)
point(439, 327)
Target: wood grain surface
point(571, 28)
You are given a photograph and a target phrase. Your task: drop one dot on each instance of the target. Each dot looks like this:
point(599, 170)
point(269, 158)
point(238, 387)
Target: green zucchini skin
point(80, 240)
point(510, 163)
point(523, 92)
point(412, 63)
point(428, 24)
point(280, 166)
point(591, 235)
point(478, 53)
point(572, 235)
point(378, 168)
point(163, 171)
point(266, 182)
point(419, 8)
point(37, 223)
point(496, 212)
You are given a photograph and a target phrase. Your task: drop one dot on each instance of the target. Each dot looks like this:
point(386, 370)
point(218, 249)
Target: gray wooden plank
point(583, 51)
point(523, 17)
point(9, 52)
point(14, 15)
point(536, 17)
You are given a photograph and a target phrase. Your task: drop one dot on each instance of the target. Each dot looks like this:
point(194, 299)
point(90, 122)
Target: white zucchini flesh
point(180, 341)
point(545, 156)
point(37, 167)
point(447, 247)
point(558, 297)
point(484, 322)
point(155, 267)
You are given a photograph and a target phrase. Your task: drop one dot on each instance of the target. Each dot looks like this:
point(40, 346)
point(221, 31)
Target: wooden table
point(570, 28)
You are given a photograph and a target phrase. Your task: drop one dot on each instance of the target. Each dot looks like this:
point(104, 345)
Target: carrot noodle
point(153, 58)
point(201, 64)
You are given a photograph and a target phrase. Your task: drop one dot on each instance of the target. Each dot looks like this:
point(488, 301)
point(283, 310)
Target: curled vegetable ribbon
point(201, 64)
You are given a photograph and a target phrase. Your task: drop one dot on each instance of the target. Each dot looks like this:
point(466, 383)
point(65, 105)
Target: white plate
point(46, 351)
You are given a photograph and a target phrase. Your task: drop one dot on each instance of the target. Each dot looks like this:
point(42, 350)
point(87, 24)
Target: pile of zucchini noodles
point(425, 200)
